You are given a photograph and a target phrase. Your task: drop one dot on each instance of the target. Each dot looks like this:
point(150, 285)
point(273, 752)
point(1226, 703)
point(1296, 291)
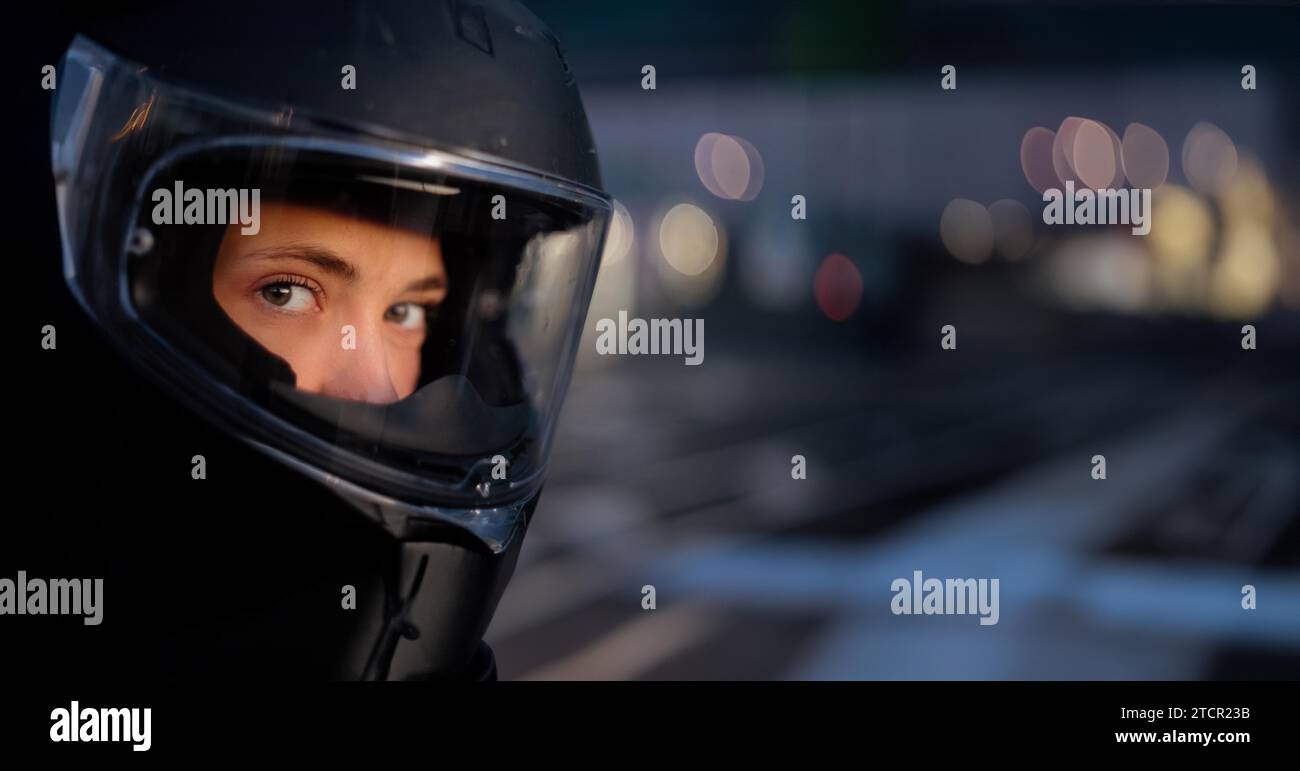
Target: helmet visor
point(401, 319)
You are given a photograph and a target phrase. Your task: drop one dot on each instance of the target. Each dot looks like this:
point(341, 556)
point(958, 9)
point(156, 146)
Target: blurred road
point(681, 480)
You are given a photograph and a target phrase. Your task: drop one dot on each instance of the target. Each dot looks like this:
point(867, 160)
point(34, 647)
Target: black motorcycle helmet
point(453, 129)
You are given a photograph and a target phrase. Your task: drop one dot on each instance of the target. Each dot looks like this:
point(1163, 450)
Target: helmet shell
point(484, 78)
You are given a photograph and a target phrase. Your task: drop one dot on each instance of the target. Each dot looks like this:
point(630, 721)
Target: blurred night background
point(822, 340)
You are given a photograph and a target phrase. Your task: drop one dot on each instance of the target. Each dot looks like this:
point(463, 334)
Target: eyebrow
point(332, 263)
point(319, 256)
point(427, 284)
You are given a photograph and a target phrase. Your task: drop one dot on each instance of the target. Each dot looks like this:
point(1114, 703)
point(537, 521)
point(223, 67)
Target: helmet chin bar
point(495, 528)
point(429, 613)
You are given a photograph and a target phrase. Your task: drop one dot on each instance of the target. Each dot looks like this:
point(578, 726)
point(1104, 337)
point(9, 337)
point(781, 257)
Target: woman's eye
point(288, 297)
point(406, 315)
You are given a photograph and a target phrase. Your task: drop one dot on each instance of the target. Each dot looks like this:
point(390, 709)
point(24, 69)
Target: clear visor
point(399, 320)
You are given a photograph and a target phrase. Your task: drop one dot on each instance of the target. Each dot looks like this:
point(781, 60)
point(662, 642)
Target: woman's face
point(309, 273)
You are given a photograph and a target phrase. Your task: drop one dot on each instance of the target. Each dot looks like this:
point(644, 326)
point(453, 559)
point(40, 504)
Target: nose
point(361, 373)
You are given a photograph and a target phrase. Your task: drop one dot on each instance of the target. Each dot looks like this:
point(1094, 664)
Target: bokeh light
point(1063, 149)
point(1104, 271)
point(1013, 228)
point(1209, 158)
point(621, 236)
point(1145, 156)
point(704, 162)
point(1182, 226)
point(1182, 233)
point(1245, 278)
point(1117, 152)
point(693, 246)
point(688, 239)
point(729, 167)
point(1248, 197)
point(837, 287)
point(757, 170)
point(1094, 155)
point(1036, 159)
point(967, 230)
